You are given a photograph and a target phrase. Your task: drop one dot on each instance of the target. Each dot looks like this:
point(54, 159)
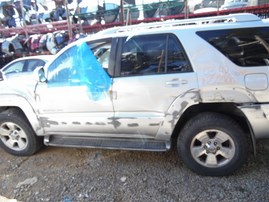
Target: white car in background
point(23, 66)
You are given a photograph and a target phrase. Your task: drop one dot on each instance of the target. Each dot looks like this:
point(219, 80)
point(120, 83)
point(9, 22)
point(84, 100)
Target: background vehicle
point(200, 84)
point(24, 66)
point(231, 4)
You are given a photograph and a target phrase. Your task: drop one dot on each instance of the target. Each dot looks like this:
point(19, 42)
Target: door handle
point(172, 83)
point(113, 95)
point(176, 82)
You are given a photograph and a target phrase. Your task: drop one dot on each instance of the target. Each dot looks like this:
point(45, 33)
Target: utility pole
point(186, 13)
point(23, 19)
point(121, 12)
point(69, 23)
point(36, 12)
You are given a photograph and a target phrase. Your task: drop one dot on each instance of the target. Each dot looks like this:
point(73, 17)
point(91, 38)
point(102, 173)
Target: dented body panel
point(258, 118)
point(145, 112)
point(24, 105)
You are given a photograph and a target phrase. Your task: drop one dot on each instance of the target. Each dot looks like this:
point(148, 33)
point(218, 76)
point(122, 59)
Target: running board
point(107, 143)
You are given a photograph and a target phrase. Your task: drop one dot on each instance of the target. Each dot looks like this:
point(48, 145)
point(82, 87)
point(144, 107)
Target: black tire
point(17, 136)
point(212, 144)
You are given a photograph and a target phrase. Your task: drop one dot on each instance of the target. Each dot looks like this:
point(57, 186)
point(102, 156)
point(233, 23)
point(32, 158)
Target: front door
point(75, 99)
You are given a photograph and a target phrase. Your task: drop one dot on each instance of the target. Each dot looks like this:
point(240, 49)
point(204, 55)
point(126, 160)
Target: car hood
point(21, 75)
point(20, 87)
point(22, 82)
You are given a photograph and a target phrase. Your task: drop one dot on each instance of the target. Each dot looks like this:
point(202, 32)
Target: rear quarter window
point(245, 47)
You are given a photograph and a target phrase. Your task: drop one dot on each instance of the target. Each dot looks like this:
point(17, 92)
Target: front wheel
point(212, 144)
point(16, 135)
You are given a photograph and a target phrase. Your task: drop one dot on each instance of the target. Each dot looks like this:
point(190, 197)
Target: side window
point(60, 70)
point(152, 54)
point(244, 47)
point(72, 65)
point(32, 64)
point(101, 51)
point(143, 55)
point(15, 67)
point(80, 66)
point(176, 58)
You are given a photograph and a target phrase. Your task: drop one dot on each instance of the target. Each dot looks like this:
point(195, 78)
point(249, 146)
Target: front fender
point(20, 102)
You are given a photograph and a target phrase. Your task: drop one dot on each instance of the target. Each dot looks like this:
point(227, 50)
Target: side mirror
point(39, 74)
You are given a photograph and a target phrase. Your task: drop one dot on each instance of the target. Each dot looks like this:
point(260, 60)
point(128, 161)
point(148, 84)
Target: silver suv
point(199, 83)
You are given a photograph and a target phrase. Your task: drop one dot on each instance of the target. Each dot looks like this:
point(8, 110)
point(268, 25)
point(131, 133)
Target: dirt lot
point(71, 175)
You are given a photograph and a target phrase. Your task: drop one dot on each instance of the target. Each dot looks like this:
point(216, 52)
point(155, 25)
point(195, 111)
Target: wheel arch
point(18, 104)
point(18, 137)
point(228, 109)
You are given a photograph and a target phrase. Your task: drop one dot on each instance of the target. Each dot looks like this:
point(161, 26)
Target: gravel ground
point(74, 175)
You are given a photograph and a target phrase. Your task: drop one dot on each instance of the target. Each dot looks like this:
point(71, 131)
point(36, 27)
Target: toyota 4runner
point(199, 84)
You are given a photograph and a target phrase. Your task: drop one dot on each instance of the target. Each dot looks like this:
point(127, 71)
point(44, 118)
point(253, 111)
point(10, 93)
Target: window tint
point(245, 47)
point(152, 54)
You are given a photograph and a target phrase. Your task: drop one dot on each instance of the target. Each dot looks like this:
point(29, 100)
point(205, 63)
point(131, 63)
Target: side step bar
point(107, 143)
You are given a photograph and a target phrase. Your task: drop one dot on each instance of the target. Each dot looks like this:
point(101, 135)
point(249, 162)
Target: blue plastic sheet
point(91, 72)
point(79, 66)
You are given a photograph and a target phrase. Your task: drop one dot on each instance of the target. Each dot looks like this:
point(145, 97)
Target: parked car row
point(18, 45)
point(218, 5)
point(89, 12)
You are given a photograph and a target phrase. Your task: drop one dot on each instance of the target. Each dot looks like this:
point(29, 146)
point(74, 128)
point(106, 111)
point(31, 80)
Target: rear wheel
point(16, 135)
point(212, 144)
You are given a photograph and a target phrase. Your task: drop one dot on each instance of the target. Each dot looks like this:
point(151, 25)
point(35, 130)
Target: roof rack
point(231, 18)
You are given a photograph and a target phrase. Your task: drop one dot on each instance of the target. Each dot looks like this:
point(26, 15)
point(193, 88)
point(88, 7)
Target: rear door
point(153, 71)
